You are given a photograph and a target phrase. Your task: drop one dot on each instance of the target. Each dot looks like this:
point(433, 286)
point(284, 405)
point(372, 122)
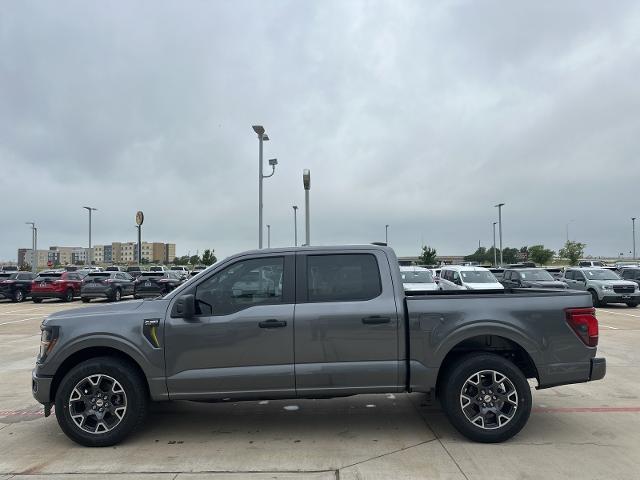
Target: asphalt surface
point(586, 431)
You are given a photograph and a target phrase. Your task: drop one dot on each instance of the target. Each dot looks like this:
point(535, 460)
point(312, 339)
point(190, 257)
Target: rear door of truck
point(347, 324)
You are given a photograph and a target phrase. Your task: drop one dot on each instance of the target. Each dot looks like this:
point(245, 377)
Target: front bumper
point(41, 388)
point(612, 297)
point(598, 368)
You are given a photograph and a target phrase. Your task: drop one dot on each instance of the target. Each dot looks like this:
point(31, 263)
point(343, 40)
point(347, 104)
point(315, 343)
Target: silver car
point(604, 285)
point(417, 279)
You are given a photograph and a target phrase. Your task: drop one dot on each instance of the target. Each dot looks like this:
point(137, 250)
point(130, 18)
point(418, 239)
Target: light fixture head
point(306, 179)
point(273, 162)
point(259, 129)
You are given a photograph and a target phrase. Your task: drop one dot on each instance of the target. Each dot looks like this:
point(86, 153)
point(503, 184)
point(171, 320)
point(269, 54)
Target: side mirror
point(185, 306)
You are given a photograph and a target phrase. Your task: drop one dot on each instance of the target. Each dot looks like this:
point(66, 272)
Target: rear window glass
point(49, 275)
point(342, 278)
point(151, 274)
point(104, 275)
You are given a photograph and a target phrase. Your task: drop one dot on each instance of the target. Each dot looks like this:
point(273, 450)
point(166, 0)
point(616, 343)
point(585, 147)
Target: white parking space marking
point(619, 313)
point(21, 320)
point(609, 326)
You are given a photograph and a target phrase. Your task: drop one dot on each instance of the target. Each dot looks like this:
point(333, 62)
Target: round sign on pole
point(139, 217)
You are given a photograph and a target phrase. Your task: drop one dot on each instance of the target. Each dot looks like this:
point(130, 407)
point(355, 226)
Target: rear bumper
point(97, 293)
point(52, 294)
point(598, 369)
point(41, 388)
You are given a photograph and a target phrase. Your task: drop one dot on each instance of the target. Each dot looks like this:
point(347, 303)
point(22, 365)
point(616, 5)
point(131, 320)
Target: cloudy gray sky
point(421, 115)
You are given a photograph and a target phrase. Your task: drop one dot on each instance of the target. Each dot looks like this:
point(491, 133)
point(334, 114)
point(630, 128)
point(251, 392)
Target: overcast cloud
point(421, 115)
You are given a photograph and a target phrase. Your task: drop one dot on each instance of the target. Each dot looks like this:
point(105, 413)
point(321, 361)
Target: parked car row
point(69, 285)
point(604, 285)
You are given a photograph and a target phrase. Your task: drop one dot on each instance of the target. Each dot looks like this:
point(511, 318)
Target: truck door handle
point(272, 323)
point(374, 320)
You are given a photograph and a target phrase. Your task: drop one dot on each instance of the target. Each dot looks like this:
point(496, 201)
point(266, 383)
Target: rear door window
point(342, 278)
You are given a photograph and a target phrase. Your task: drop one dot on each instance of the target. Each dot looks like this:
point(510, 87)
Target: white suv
point(417, 279)
point(457, 277)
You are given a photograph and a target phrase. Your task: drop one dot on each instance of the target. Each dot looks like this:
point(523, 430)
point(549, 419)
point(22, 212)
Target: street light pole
point(268, 236)
point(633, 223)
point(306, 182)
point(262, 137)
point(295, 225)
point(499, 206)
point(89, 259)
point(495, 253)
point(34, 246)
point(386, 234)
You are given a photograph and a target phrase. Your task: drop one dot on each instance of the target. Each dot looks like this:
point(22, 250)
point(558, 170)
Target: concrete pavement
point(586, 431)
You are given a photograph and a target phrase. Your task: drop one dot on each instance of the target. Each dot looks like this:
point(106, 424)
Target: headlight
point(606, 287)
point(48, 338)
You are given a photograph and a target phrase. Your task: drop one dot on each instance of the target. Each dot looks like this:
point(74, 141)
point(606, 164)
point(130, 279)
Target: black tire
point(632, 304)
point(68, 296)
point(117, 295)
point(37, 300)
point(85, 300)
point(19, 296)
point(515, 409)
point(594, 298)
point(135, 401)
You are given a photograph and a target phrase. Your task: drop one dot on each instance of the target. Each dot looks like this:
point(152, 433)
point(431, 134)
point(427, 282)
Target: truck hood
point(97, 311)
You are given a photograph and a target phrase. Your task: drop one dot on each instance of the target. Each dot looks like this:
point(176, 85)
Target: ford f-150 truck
point(313, 322)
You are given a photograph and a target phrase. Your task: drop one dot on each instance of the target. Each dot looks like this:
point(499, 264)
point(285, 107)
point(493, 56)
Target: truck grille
point(623, 289)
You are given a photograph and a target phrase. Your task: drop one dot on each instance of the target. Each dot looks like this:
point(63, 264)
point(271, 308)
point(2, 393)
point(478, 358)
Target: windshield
point(151, 274)
point(155, 269)
point(541, 275)
point(601, 275)
point(103, 275)
point(478, 276)
point(416, 276)
point(133, 269)
point(49, 275)
point(4, 275)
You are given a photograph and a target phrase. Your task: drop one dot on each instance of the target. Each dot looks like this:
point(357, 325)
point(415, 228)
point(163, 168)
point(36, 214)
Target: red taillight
point(583, 321)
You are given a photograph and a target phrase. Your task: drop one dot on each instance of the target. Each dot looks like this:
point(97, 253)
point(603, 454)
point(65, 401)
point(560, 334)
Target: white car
point(417, 279)
point(456, 277)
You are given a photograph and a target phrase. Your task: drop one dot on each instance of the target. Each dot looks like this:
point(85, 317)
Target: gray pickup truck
point(313, 322)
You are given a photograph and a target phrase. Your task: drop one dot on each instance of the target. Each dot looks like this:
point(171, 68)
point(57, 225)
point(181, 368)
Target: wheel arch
point(488, 343)
point(93, 352)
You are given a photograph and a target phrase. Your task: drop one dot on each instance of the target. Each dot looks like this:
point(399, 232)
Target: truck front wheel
point(486, 397)
point(101, 401)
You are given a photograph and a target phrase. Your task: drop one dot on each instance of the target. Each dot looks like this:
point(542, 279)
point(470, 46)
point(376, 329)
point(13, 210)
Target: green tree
point(208, 257)
point(573, 251)
point(428, 256)
point(540, 255)
point(479, 255)
point(25, 267)
point(195, 260)
point(509, 255)
point(183, 260)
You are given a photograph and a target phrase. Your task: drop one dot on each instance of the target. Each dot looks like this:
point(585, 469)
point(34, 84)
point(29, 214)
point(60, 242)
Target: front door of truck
point(240, 342)
point(347, 324)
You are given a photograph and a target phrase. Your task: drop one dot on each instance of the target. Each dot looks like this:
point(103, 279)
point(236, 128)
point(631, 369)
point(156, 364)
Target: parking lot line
point(19, 321)
point(609, 326)
point(619, 313)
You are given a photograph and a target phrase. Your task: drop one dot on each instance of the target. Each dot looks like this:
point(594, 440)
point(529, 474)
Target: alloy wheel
point(489, 399)
point(97, 404)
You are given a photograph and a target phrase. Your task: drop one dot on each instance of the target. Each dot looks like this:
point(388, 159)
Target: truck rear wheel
point(486, 397)
point(101, 401)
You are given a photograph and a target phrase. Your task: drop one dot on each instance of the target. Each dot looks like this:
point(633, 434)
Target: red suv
point(62, 285)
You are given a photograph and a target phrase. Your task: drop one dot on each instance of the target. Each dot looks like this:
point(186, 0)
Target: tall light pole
point(495, 253)
point(262, 137)
point(633, 227)
point(499, 206)
point(34, 246)
point(386, 234)
point(295, 225)
point(268, 236)
point(306, 182)
point(89, 259)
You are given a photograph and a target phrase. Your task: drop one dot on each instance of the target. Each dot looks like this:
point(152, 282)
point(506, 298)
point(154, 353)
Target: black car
point(631, 273)
point(555, 272)
point(530, 278)
point(16, 286)
point(154, 284)
point(110, 285)
point(497, 272)
point(134, 271)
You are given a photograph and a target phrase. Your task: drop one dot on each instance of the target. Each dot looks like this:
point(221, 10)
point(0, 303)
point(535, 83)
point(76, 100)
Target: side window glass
point(342, 278)
point(242, 285)
point(507, 275)
point(569, 274)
